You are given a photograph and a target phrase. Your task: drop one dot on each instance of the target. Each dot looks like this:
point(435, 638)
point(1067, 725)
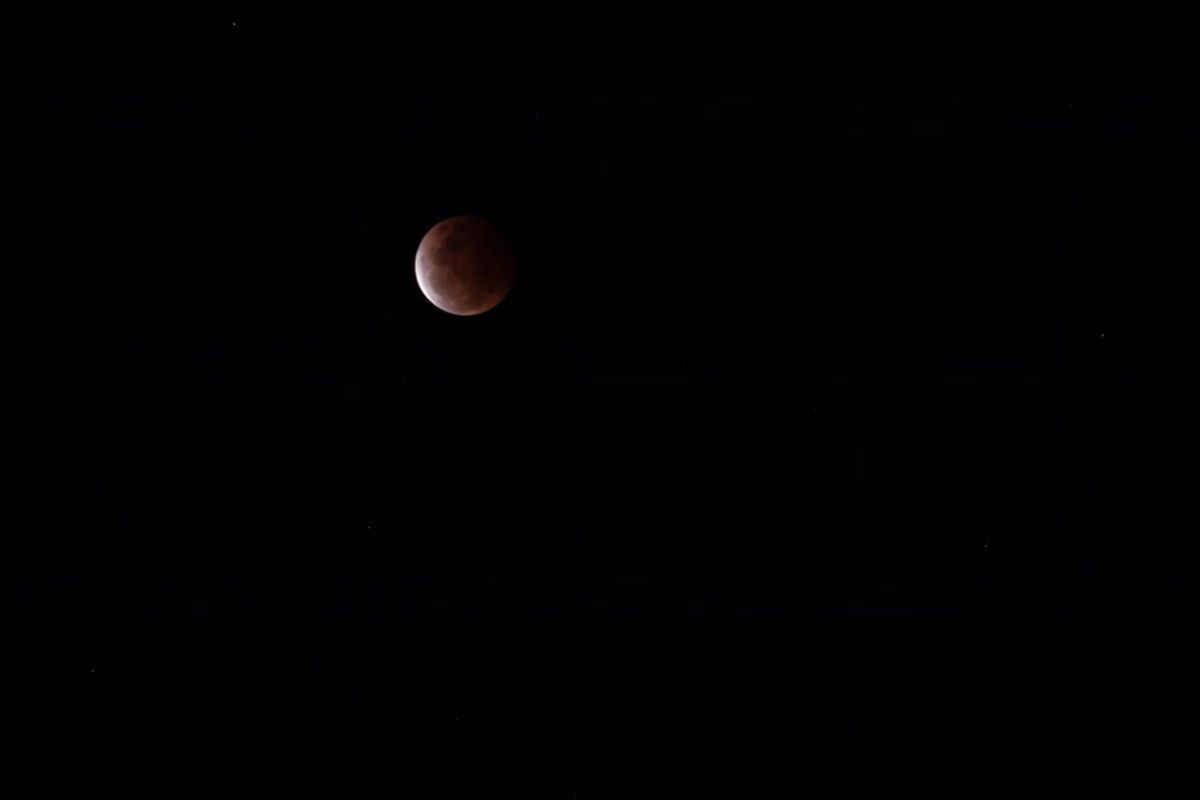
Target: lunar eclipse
point(465, 265)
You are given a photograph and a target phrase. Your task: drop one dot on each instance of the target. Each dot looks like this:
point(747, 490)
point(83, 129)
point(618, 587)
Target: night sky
point(830, 439)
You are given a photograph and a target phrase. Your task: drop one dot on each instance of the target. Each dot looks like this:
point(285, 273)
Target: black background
point(831, 436)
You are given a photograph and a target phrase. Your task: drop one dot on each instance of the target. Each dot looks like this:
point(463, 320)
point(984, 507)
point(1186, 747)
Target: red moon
point(465, 265)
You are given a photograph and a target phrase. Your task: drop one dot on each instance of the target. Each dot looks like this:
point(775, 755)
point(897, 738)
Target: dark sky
point(829, 437)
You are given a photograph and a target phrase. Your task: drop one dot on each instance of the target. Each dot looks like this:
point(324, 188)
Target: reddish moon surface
point(465, 265)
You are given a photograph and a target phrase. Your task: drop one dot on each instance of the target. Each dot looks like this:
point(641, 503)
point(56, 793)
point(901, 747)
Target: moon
point(465, 265)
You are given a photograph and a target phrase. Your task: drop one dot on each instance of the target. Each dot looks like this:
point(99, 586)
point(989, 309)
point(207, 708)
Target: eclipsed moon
point(465, 265)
